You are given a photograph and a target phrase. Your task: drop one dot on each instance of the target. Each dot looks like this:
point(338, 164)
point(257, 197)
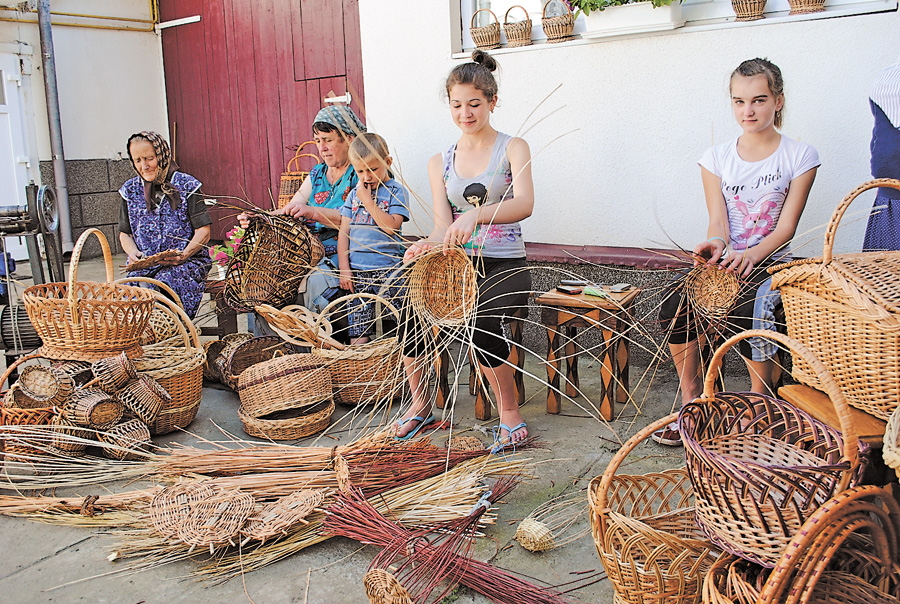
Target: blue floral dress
point(167, 229)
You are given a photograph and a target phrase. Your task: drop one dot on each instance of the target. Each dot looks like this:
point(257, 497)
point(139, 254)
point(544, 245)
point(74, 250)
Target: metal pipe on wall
point(56, 140)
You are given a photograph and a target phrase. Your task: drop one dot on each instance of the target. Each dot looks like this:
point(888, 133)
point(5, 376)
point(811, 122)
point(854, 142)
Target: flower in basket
point(221, 254)
point(586, 6)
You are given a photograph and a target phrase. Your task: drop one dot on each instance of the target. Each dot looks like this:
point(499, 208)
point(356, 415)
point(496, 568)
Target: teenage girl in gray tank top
point(481, 188)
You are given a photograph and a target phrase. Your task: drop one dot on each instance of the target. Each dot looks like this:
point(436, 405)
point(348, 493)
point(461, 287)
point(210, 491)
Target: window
point(2, 88)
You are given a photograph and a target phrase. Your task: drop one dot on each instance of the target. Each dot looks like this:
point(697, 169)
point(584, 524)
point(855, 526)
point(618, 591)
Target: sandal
point(669, 436)
point(499, 446)
point(423, 421)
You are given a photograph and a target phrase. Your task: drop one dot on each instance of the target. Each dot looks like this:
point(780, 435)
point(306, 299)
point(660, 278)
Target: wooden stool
point(226, 317)
point(478, 385)
point(563, 315)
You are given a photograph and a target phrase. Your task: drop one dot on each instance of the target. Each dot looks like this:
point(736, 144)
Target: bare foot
point(408, 423)
point(513, 420)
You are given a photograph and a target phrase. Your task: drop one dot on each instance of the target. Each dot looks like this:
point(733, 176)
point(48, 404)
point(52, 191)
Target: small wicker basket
point(274, 519)
point(285, 382)
point(803, 7)
point(214, 521)
point(442, 289)
point(748, 10)
point(559, 28)
point(127, 441)
point(759, 466)
point(217, 353)
point(293, 176)
point(93, 408)
point(383, 588)
point(846, 310)
point(289, 425)
point(487, 37)
point(68, 438)
point(113, 373)
point(235, 360)
point(170, 504)
point(43, 386)
point(144, 398)
point(18, 439)
point(518, 33)
point(711, 291)
point(645, 531)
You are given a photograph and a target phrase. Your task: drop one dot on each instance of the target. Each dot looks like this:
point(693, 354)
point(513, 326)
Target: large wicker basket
point(285, 382)
point(846, 310)
point(759, 466)
point(442, 288)
point(86, 320)
point(179, 370)
point(362, 373)
point(293, 176)
point(274, 255)
point(645, 531)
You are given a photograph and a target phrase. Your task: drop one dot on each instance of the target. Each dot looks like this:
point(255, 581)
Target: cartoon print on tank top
point(757, 219)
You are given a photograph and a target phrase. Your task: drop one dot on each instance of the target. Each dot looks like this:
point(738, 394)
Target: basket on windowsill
point(748, 10)
point(559, 28)
point(804, 7)
point(518, 33)
point(487, 37)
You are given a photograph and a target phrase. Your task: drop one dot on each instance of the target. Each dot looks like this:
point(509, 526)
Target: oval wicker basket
point(441, 288)
point(274, 256)
point(168, 505)
point(487, 37)
point(518, 33)
point(286, 382)
point(645, 531)
point(93, 408)
point(274, 519)
point(289, 425)
point(559, 28)
point(127, 441)
point(247, 354)
point(113, 373)
point(293, 176)
point(144, 398)
point(85, 320)
point(846, 310)
point(759, 466)
point(383, 588)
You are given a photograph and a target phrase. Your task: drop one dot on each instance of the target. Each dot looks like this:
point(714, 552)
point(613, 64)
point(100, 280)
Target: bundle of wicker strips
point(85, 320)
point(846, 310)
point(759, 466)
point(361, 373)
point(646, 532)
point(846, 553)
point(275, 254)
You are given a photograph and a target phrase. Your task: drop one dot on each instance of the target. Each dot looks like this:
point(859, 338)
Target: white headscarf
point(886, 93)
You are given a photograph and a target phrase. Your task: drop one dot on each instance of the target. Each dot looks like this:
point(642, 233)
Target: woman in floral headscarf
point(162, 210)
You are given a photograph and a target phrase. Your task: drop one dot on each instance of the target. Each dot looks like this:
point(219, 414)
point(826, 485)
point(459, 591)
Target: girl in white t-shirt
point(756, 187)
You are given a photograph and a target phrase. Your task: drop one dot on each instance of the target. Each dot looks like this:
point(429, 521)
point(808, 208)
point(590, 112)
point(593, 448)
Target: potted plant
point(619, 17)
point(222, 253)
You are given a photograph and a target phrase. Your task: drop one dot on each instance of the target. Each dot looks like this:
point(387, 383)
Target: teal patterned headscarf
point(342, 118)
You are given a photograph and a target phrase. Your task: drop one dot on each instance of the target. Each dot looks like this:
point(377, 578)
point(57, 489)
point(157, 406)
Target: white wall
point(110, 82)
point(642, 111)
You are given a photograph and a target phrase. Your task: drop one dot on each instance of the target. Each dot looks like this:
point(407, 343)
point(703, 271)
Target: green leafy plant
point(586, 6)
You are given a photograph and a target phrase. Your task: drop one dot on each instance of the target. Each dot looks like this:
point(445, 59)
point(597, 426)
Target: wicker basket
point(127, 441)
point(217, 354)
point(846, 310)
point(846, 553)
point(168, 506)
point(152, 261)
point(274, 519)
point(803, 7)
point(92, 408)
point(80, 371)
point(759, 466)
point(113, 373)
point(43, 386)
point(17, 445)
point(247, 354)
point(645, 531)
point(144, 398)
point(285, 382)
point(88, 321)
point(293, 176)
point(274, 255)
point(442, 289)
point(518, 33)
point(748, 10)
point(711, 291)
point(161, 327)
point(289, 425)
point(487, 37)
point(215, 520)
point(383, 588)
point(68, 438)
point(559, 28)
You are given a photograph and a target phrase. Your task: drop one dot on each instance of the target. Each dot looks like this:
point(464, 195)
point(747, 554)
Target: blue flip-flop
point(499, 447)
point(422, 423)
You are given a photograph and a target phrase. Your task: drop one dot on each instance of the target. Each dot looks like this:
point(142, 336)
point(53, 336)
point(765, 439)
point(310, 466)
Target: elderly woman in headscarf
point(162, 209)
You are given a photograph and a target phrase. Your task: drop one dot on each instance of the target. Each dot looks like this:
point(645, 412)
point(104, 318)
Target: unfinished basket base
point(67, 354)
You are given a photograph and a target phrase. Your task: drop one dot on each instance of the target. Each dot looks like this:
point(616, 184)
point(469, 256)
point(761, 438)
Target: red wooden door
point(244, 84)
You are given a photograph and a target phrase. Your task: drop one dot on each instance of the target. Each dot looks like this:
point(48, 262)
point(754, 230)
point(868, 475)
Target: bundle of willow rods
point(354, 517)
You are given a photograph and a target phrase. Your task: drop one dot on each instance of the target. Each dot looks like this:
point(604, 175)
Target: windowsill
point(877, 6)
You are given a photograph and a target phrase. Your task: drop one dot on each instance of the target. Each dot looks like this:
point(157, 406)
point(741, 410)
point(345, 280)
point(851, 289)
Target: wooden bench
point(869, 428)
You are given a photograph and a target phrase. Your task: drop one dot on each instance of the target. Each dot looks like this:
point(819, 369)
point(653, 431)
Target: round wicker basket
point(487, 37)
point(286, 382)
point(88, 321)
point(559, 28)
point(518, 33)
point(127, 441)
point(43, 386)
point(113, 373)
point(144, 398)
point(441, 288)
point(383, 588)
point(289, 425)
point(67, 438)
point(234, 361)
point(711, 291)
point(93, 408)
